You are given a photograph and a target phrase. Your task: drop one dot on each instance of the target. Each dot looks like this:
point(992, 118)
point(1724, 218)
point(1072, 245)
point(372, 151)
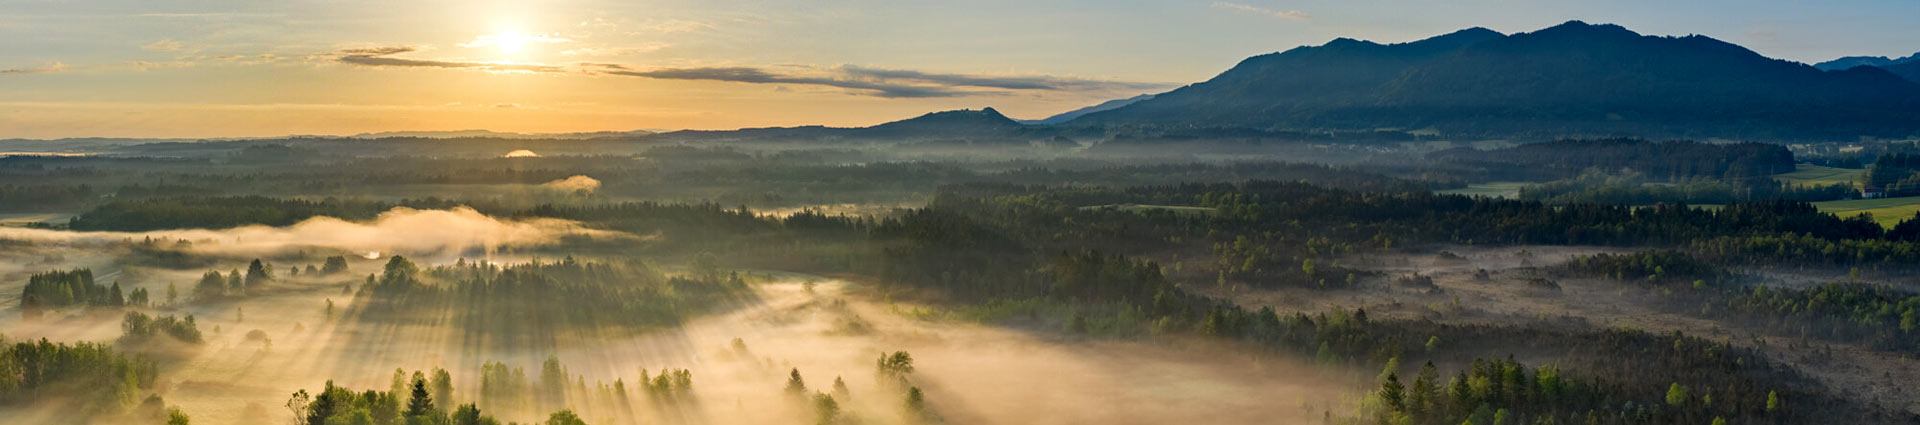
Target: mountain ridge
point(1570, 80)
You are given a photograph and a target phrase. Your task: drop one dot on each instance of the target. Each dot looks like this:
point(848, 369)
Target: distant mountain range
point(1907, 67)
point(496, 134)
point(1850, 62)
point(1570, 80)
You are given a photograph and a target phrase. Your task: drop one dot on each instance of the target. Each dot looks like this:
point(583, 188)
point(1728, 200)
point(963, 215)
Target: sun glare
point(510, 42)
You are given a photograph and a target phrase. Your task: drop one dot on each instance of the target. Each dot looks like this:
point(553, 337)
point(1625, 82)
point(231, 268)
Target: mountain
point(1909, 70)
point(1573, 79)
point(957, 122)
point(965, 126)
point(1103, 106)
point(1850, 62)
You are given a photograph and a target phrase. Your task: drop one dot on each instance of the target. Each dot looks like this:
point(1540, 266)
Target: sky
point(252, 68)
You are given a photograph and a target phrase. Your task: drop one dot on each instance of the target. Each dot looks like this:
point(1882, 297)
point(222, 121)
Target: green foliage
point(898, 365)
point(825, 409)
point(535, 300)
point(564, 417)
point(1666, 161)
point(1883, 317)
point(138, 327)
point(1677, 395)
point(1660, 266)
point(91, 376)
point(55, 289)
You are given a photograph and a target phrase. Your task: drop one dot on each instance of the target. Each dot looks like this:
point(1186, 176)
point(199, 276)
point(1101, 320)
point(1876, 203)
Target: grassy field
point(1490, 189)
point(1807, 174)
point(1886, 211)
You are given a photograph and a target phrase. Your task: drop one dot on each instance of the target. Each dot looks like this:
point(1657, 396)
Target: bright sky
point(232, 68)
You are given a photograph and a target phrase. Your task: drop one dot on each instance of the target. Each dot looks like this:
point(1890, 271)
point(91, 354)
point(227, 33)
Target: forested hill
point(1667, 161)
point(1574, 79)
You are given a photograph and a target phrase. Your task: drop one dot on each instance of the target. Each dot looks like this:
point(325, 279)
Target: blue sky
point(206, 68)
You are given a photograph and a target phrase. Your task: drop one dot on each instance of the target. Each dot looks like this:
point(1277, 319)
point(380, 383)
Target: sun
point(510, 42)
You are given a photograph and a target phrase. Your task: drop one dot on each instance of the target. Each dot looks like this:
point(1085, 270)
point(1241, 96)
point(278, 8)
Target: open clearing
point(1886, 211)
point(1489, 189)
point(1808, 174)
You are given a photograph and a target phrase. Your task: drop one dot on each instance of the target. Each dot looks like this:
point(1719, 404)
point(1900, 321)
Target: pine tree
point(466, 414)
point(916, 403)
point(1421, 399)
point(258, 275)
point(840, 390)
point(442, 386)
point(1392, 393)
point(421, 403)
point(795, 385)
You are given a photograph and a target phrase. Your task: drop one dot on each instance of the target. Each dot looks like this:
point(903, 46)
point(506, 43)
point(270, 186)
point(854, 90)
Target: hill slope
point(1077, 113)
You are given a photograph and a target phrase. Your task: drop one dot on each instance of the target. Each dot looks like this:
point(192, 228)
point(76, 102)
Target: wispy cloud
point(879, 82)
point(383, 57)
point(148, 65)
point(190, 15)
point(1010, 82)
point(52, 68)
point(762, 76)
point(858, 80)
point(674, 25)
point(162, 46)
point(1282, 14)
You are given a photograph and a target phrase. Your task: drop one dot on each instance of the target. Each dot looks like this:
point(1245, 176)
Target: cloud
point(1013, 82)
point(143, 66)
point(674, 25)
point(575, 184)
point(53, 68)
point(761, 76)
point(162, 46)
point(378, 51)
point(383, 57)
point(1282, 14)
point(887, 83)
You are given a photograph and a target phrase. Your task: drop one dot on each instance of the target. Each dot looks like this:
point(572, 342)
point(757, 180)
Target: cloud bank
point(404, 230)
point(573, 184)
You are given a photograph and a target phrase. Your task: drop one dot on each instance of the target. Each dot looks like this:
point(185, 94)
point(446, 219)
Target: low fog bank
point(969, 373)
point(402, 229)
